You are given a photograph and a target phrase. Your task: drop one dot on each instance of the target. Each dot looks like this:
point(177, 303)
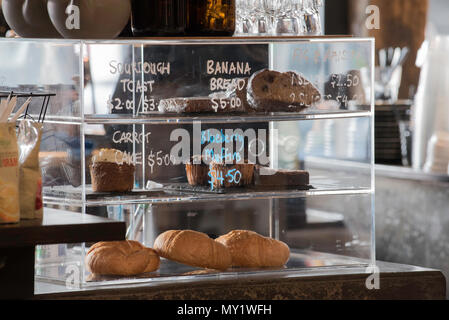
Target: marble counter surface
point(412, 222)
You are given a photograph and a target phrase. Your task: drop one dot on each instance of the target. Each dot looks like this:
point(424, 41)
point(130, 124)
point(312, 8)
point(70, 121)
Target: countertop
point(60, 226)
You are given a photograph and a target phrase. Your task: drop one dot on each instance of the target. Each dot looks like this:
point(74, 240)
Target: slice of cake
point(267, 177)
point(271, 91)
point(109, 174)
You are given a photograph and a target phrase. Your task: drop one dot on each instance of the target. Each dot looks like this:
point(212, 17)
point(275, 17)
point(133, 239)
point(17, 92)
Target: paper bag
point(9, 174)
point(30, 187)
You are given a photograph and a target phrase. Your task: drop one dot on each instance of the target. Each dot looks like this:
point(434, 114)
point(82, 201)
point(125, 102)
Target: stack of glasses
point(278, 17)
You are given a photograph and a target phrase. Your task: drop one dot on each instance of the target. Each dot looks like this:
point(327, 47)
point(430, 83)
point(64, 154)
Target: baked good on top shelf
point(239, 89)
point(193, 248)
point(109, 174)
point(265, 91)
point(213, 104)
point(272, 91)
point(122, 258)
point(252, 250)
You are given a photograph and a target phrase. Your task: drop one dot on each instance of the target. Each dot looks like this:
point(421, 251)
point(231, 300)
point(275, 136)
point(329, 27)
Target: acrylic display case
point(108, 94)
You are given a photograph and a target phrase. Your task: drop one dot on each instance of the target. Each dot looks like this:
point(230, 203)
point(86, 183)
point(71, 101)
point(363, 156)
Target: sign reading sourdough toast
point(130, 84)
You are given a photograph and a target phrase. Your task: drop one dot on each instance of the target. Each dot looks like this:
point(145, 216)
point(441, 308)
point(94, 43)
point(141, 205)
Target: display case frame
point(81, 198)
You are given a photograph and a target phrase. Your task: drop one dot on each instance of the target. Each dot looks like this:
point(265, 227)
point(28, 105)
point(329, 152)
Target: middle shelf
point(182, 193)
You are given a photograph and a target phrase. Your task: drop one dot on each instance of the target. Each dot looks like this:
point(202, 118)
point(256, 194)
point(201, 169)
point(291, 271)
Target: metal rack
point(43, 111)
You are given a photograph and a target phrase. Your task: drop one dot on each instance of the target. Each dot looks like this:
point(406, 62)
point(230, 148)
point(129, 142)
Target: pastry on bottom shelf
point(280, 178)
point(122, 258)
point(192, 248)
point(108, 175)
point(271, 91)
point(235, 174)
point(252, 250)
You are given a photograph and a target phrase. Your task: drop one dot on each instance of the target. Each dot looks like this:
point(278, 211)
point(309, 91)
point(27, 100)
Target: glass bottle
point(158, 17)
point(210, 17)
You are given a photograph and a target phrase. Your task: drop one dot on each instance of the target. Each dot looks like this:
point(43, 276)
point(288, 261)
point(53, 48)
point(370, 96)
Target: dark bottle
point(210, 17)
point(158, 17)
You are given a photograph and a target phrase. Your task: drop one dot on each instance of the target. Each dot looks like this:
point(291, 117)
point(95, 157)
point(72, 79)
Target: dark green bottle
point(210, 17)
point(152, 18)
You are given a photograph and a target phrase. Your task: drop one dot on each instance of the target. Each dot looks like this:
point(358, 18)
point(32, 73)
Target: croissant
point(124, 258)
point(250, 249)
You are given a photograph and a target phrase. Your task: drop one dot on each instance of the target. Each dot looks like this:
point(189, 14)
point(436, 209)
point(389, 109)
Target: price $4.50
point(232, 176)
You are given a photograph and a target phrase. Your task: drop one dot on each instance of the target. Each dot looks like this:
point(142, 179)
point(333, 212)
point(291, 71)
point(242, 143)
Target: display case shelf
point(172, 193)
point(160, 118)
point(157, 118)
point(301, 260)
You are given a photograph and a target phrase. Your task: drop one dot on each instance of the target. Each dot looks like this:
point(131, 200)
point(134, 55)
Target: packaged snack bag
point(30, 183)
point(9, 174)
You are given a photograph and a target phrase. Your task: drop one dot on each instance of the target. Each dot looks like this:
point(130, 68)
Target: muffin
point(108, 174)
point(231, 175)
point(197, 171)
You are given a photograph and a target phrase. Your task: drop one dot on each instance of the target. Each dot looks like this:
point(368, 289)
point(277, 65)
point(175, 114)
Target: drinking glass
point(286, 22)
point(310, 17)
point(242, 22)
point(278, 17)
point(259, 17)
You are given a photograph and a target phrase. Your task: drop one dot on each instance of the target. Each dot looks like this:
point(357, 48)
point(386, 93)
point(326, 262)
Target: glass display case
point(160, 102)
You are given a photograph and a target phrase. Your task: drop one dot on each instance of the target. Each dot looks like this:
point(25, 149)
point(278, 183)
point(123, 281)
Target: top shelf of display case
point(185, 80)
point(197, 40)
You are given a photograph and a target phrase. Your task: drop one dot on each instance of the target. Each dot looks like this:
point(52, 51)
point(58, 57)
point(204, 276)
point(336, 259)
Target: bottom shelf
point(301, 262)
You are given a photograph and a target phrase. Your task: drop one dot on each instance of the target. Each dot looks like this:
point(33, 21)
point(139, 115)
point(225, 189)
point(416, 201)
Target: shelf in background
point(159, 118)
point(182, 193)
point(61, 227)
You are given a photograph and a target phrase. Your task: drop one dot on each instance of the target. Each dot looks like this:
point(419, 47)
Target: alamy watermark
point(373, 19)
point(73, 20)
point(373, 280)
point(73, 276)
